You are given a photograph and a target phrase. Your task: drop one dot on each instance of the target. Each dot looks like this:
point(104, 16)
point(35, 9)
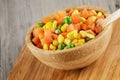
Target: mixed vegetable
point(67, 29)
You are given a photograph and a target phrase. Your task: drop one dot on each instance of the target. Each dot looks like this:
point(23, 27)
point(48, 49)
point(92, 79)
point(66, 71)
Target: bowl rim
point(31, 45)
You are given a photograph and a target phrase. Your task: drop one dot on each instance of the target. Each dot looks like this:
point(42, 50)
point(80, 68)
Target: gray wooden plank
point(16, 16)
point(3, 12)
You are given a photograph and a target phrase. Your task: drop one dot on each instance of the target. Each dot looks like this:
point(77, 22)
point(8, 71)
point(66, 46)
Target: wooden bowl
point(77, 57)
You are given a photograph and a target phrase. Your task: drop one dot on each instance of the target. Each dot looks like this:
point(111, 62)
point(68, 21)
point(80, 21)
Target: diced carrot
point(39, 45)
point(70, 28)
point(79, 36)
point(36, 40)
point(60, 21)
point(90, 13)
point(84, 27)
point(47, 36)
point(47, 40)
point(37, 32)
point(85, 13)
point(75, 18)
point(70, 11)
point(54, 35)
point(59, 16)
point(47, 33)
point(89, 21)
point(98, 29)
point(64, 34)
point(77, 26)
point(47, 19)
point(92, 27)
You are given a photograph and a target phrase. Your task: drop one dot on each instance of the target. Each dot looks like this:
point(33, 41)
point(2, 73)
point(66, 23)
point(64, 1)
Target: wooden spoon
point(111, 18)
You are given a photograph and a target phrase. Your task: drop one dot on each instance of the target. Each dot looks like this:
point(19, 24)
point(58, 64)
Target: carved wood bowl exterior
point(77, 57)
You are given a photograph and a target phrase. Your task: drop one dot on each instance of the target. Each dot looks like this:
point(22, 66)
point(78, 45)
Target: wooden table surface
point(16, 16)
point(107, 67)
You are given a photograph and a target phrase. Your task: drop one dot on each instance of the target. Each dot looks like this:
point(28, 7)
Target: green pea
point(59, 26)
point(52, 17)
point(71, 45)
point(61, 46)
point(52, 21)
point(67, 20)
point(57, 31)
point(39, 25)
point(88, 39)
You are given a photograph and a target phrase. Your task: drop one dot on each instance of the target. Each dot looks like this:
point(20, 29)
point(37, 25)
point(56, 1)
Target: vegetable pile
point(67, 29)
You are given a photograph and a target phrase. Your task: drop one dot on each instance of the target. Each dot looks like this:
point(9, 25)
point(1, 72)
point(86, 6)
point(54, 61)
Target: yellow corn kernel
point(81, 23)
point(72, 35)
point(82, 19)
point(55, 42)
point(90, 32)
point(93, 18)
point(60, 39)
point(64, 27)
point(52, 47)
point(45, 46)
point(48, 25)
point(67, 41)
point(99, 14)
point(54, 25)
point(75, 12)
point(75, 34)
point(74, 41)
point(94, 12)
point(44, 27)
point(90, 35)
point(80, 42)
point(77, 44)
point(83, 33)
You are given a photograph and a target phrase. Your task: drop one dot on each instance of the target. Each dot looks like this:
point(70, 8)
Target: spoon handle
point(112, 17)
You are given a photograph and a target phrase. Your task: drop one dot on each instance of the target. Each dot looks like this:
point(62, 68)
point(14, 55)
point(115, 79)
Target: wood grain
point(107, 67)
point(17, 15)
